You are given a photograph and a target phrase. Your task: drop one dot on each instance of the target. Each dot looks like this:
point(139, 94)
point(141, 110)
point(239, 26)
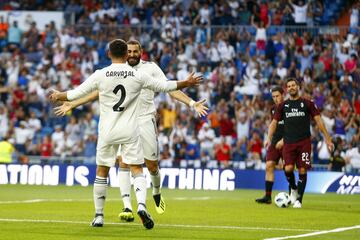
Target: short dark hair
point(277, 89)
point(291, 80)
point(134, 42)
point(118, 48)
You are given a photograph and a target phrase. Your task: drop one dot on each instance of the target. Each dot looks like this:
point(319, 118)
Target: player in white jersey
point(119, 87)
point(147, 126)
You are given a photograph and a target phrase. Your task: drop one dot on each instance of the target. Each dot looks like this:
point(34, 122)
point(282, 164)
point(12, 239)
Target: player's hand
point(54, 95)
point(63, 109)
point(194, 81)
point(200, 108)
point(279, 145)
point(329, 144)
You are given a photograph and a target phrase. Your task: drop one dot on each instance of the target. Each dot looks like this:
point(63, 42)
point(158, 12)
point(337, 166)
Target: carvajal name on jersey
point(123, 74)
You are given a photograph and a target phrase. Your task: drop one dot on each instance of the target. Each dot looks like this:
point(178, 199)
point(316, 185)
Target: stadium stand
point(239, 61)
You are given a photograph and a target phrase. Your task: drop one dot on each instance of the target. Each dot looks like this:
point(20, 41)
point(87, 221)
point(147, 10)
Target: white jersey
point(119, 87)
point(146, 105)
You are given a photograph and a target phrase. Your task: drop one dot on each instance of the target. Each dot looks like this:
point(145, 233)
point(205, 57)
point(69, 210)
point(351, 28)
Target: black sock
point(268, 188)
point(301, 185)
point(291, 179)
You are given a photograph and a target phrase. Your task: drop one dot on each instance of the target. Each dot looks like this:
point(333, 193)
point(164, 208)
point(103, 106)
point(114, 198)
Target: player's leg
point(269, 181)
point(272, 158)
point(100, 192)
point(301, 187)
point(155, 177)
point(140, 192)
point(149, 141)
point(290, 158)
point(125, 191)
point(132, 154)
point(105, 158)
point(303, 164)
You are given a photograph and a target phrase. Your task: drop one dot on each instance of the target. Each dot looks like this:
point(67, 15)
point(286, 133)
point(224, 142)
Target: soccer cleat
point(126, 215)
point(160, 205)
point(297, 204)
point(293, 195)
point(146, 219)
point(98, 221)
point(265, 199)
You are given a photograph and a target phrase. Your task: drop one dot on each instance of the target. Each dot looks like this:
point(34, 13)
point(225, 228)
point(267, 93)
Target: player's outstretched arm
point(321, 126)
point(67, 106)
point(199, 106)
point(56, 96)
point(168, 86)
point(190, 81)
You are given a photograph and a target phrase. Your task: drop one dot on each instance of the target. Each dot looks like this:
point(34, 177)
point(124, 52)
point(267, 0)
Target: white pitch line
point(316, 233)
point(88, 200)
point(158, 225)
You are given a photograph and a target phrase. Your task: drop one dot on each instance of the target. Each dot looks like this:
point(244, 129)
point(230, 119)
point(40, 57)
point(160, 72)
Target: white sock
point(140, 191)
point(125, 187)
point(100, 187)
point(155, 180)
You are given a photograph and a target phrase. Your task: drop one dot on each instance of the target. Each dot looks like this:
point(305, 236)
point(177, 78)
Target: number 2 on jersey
point(117, 107)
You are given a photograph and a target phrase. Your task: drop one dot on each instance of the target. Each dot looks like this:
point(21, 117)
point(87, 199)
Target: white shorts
point(131, 153)
point(148, 137)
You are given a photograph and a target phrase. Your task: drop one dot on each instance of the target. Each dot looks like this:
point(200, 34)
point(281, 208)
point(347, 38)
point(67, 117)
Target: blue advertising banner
point(180, 178)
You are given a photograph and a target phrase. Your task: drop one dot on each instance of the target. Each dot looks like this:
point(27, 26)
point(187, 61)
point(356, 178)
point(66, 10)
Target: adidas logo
point(102, 197)
point(137, 190)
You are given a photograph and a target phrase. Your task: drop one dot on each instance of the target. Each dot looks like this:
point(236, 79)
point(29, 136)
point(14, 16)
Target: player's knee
point(123, 165)
point(136, 169)
point(102, 171)
point(302, 171)
point(289, 168)
point(270, 166)
point(152, 166)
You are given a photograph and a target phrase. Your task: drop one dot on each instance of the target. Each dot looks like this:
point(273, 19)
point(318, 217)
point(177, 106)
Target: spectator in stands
point(46, 149)
point(352, 158)
point(354, 16)
point(58, 139)
point(206, 137)
point(254, 149)
point(223, 153)
point(14, 35)
point(4, 121)
point(300, 12)
point(337, 161)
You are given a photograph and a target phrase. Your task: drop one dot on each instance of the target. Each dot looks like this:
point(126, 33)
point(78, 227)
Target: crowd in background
point(240, 65)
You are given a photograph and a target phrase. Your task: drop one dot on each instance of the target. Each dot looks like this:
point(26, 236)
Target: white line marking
point(52, 200)
point(88, 200)
point(158, 225)
point(316, 233)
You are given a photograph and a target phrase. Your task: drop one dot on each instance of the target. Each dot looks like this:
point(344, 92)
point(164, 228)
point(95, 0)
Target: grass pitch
point(42, 212)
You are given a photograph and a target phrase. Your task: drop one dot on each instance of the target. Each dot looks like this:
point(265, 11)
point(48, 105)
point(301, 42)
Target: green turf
point(189, 215)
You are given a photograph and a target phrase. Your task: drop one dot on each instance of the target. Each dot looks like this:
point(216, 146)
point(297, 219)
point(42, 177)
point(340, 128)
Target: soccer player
point(274, 152)
point(296, 113)
point(147, 127)
point(119, 87)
